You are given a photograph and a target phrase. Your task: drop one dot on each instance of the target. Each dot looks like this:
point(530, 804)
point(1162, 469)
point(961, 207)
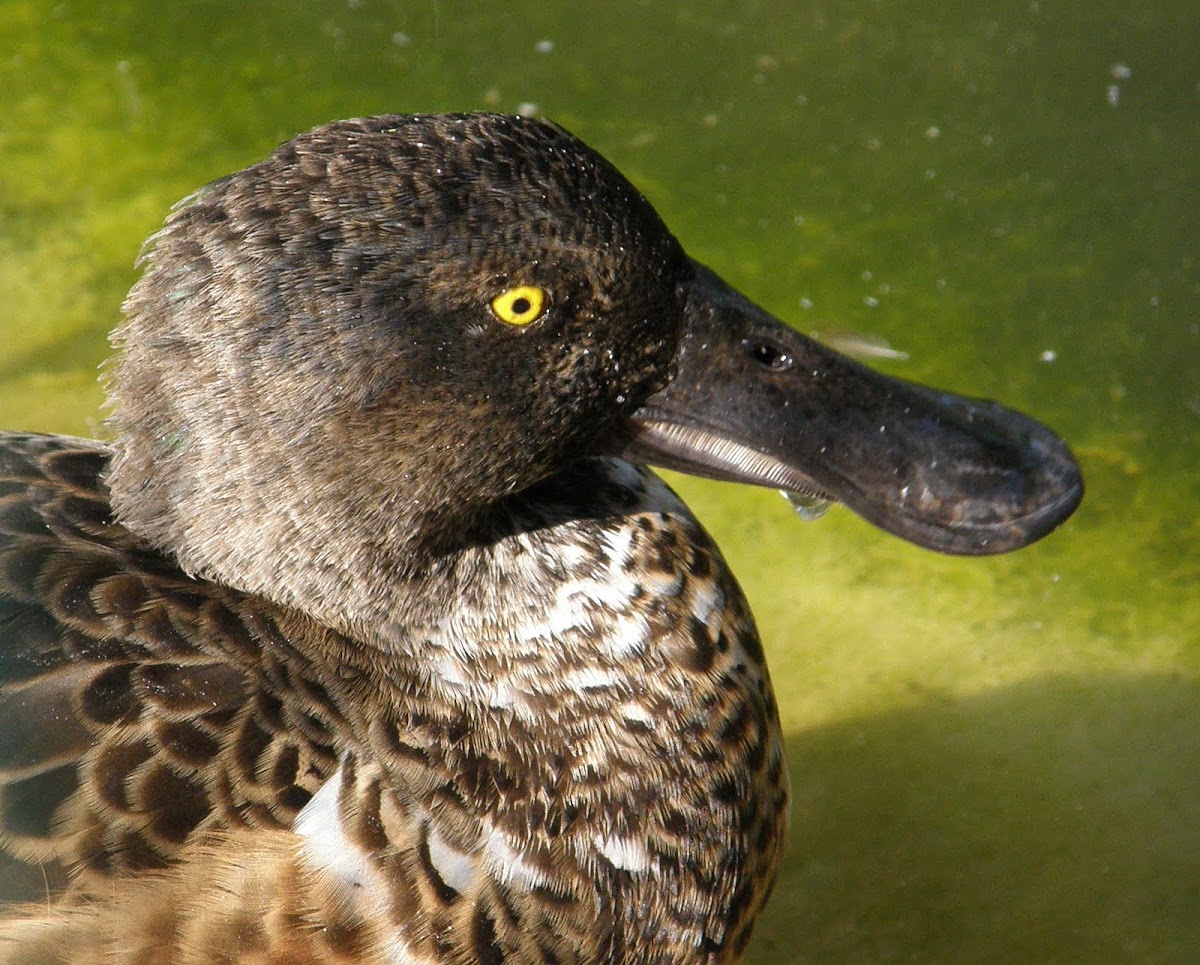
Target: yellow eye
point(521, 305)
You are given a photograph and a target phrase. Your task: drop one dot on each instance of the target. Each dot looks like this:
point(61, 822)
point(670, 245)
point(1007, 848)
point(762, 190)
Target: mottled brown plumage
point(360, 644)
point(199, 721)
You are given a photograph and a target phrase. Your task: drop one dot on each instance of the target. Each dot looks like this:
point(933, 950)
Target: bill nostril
point(769, 355)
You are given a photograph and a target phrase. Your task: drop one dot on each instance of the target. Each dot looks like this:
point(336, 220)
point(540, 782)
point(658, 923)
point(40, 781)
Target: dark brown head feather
point(310, 379)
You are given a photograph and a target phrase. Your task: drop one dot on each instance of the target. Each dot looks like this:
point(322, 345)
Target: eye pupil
point(521, 305)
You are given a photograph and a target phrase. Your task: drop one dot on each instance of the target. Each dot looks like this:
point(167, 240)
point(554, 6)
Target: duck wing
point(126, 728)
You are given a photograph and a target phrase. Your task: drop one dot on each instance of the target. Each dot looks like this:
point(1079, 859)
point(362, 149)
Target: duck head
point(340, 361)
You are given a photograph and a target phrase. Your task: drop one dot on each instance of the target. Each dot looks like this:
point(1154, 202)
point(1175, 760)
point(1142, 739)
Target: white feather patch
point(508, 865)
point(341, 865)
point(624, 853)
point(456, 869)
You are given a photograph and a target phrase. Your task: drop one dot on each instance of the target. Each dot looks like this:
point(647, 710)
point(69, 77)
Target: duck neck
point(592, 712)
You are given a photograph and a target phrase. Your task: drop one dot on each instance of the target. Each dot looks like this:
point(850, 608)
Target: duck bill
point(753, 401)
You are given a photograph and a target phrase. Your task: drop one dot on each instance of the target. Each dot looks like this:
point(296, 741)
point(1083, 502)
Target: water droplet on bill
point(807, 506)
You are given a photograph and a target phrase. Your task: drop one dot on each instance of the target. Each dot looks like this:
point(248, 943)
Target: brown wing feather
point(124, 727)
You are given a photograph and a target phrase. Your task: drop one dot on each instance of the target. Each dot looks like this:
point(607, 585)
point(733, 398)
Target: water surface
point(993, 760)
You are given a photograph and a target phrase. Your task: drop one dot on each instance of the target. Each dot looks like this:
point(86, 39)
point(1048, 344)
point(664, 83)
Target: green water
point(993, 760)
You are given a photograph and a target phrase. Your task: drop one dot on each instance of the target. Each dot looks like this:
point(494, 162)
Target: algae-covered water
point(993, 760)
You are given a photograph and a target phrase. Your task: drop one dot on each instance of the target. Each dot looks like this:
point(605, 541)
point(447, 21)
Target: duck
point(371, 636)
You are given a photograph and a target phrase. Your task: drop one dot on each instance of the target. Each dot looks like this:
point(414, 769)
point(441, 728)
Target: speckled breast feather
point(213, 743)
